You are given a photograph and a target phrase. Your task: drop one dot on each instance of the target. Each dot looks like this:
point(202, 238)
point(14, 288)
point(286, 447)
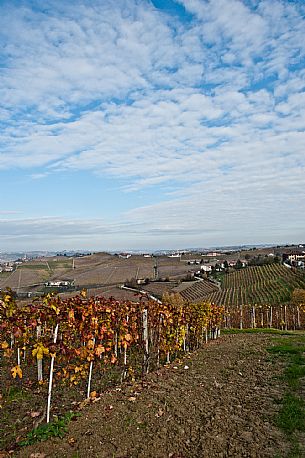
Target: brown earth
point(218, 402)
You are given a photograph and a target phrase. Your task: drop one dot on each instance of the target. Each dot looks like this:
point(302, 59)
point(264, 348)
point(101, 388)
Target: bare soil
point(217, 402)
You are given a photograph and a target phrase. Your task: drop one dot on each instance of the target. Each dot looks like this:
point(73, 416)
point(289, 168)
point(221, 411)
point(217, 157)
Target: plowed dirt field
point(220, 401)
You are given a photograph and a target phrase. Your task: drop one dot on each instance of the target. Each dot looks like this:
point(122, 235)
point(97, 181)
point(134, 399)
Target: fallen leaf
point(71, 440)
point(84, 403)
point(159, 413)
point(132, 398)
point(35, 414)
point(38, 455)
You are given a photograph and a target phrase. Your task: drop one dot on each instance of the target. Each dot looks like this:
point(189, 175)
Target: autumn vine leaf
point(39, 351)
point(83, 293)
point(16, 371)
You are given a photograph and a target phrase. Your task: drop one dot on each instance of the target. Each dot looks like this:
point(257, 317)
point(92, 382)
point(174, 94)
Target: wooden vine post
point(241, 317)
point(90, 372)
point(270, 317)
point(51, 375)
point(39, 360)
point(146, 341)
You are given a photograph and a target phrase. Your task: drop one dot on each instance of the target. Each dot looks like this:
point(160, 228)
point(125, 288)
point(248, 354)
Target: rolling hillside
point(271, 284)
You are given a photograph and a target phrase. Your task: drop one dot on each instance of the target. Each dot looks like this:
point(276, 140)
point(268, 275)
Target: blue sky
point(146, 124)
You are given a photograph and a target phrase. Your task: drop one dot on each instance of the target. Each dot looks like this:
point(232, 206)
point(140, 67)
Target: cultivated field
point(97, 270)
point(271, 284)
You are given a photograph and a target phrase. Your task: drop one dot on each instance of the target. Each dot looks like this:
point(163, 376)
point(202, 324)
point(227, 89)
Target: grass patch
point(256, 331)
point(14, 393)
point(57, 428)
point(60, 265)
point(291, 416)
point(286, 350)
point(4, 274)
point(33, 266)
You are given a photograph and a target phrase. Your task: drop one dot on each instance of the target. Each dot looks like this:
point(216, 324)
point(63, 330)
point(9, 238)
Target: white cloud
point(213, 108)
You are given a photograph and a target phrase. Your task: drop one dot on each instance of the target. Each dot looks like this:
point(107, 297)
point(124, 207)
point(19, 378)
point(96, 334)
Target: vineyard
point(84, 344)
point(197, 290)
point(72, 348)
point(270, 284)
point(260, 296)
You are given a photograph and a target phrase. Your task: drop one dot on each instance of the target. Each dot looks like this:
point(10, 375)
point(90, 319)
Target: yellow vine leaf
point(39, 351)
point(56, 309)
point(83, 293)
point(16, 371)
point(90, 344)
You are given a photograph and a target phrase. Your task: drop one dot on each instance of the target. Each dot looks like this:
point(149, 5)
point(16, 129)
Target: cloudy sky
point(145, 124)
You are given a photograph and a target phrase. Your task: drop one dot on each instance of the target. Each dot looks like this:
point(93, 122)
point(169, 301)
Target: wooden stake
point(51, 377)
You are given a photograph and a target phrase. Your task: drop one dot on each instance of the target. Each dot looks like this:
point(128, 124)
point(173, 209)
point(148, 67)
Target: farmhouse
point(124, 255)
point(294, 256)
point(8, 268)
point(206, 268)
point(212, 254)
point(59, 283)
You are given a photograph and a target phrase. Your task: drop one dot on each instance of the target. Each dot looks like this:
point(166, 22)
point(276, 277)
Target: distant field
point(4, 275)
point(55, 264)
point(270, 284)
point(33, 266)
point(24, 279)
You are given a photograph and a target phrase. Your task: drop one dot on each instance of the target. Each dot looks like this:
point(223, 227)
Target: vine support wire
point(51, 376)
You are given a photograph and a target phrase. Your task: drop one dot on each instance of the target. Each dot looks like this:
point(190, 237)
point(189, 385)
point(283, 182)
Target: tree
point(298, 297)
point(239, 264)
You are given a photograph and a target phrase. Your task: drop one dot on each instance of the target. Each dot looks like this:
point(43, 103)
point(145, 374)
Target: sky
point(151, 124)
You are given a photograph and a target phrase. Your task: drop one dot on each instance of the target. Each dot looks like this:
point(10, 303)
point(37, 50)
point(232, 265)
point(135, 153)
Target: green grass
point(257, 330)
point(14, 393)
point(60, 264)
point(291, 416)
point(57, 428)
point(33, 266)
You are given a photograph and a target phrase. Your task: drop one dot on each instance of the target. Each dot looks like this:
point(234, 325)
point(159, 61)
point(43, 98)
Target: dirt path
point(222, 405)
